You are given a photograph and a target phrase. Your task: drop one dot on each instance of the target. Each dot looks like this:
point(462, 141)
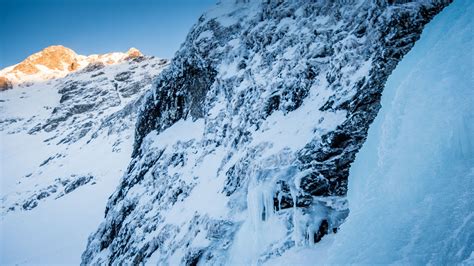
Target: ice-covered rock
point(411, 187)
point(243, 147)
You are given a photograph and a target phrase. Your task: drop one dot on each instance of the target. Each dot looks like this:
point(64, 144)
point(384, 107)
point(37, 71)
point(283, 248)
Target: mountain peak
point(55, 57)
point(57, 61)
point(134, 52)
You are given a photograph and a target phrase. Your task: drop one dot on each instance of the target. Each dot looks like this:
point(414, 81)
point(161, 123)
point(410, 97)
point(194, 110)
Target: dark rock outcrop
point(5, 84)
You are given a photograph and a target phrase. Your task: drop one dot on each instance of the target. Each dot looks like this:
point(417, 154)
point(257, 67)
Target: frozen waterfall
point(411, 190)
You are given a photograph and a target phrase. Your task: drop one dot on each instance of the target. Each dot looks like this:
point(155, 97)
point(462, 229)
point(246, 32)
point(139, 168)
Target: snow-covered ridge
point(67, 112)
point(64, 143)
point(55, 62)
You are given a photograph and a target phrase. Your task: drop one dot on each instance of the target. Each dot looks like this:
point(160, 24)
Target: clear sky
point(156, 27)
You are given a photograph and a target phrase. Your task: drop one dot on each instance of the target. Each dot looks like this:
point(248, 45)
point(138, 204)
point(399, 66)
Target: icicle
point(279, 197)
point(264, 208)
point(296, 229)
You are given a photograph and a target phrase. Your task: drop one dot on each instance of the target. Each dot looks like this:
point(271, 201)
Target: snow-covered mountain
point(243, 147)
point(66, 137)
point(253, 146)
point(55, 62)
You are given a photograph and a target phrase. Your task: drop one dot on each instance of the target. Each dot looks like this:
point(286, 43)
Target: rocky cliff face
point(243, 148)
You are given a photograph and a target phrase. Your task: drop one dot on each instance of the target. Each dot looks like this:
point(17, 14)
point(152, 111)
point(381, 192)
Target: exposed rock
point(93, 66)
point(80, 181)
point(123, 76)
point(5, 84)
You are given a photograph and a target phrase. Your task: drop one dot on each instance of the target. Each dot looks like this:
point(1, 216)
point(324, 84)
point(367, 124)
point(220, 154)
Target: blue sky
point(156, 27)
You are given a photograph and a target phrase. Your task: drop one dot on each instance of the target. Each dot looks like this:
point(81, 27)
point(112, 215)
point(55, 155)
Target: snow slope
point(64, 143)
point(411, 188)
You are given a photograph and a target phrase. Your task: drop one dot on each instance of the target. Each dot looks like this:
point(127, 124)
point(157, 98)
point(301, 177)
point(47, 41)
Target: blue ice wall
point(411, 190)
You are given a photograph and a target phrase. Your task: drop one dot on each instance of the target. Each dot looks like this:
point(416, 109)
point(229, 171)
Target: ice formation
point(411, 187)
